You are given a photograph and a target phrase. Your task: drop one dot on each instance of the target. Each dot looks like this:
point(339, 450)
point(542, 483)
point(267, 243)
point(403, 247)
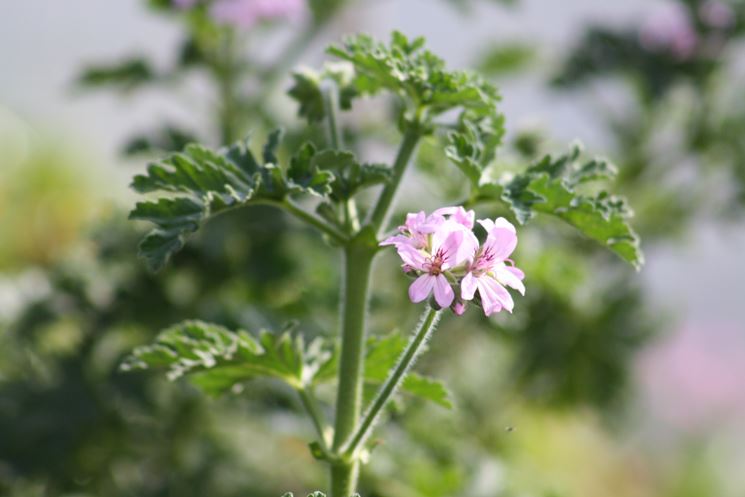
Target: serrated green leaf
point(305, 172)
point(549, 187)
point(349, 175)
point(216, 359)
point(208, 182)
point(405, 68)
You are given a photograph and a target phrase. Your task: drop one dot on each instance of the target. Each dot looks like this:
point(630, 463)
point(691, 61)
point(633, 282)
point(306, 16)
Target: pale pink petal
point(444, 294)
point(495, 294)
point(411, 256)
point(501, 222)
point(501, 242)
point(420, 289)
point(459, 215)
point(507, 277)
point(395, 240)
point(468, 286)
point(449, 248)
point(516, 271)
point(467, 249)
point(413, 220)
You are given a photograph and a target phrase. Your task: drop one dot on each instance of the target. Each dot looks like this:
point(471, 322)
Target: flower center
point(433, 265)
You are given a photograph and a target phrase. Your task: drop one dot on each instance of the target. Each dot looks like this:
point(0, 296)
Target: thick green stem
point(394, 380)
point(379, 216)
point(357, 264)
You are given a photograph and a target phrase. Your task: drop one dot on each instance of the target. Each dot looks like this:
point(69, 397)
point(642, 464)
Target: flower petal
point(444, 294)
point(449, 247)
point(496, 295)
point(411, 256)
point(501, 242)
point(507, 277)
point(468, 287)
point(422, 286)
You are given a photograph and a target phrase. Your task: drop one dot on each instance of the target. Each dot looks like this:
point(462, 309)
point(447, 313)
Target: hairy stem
point(357, 264)
point(394, 380)
point(379, 216)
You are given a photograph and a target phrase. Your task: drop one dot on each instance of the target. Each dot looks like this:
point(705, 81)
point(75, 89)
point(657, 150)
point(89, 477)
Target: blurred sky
point(44, 43)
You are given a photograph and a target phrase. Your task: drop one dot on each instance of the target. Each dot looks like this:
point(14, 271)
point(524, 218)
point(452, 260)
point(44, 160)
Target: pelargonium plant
point(454, 260)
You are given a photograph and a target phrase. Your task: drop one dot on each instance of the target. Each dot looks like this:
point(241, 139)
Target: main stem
point(358, 258)
point(357, 264)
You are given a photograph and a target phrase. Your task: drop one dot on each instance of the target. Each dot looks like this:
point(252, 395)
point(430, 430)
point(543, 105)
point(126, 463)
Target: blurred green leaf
point(506, 59)
point(125, 75)
point(382, 355)
point(549, 186)
point(168, 139)
point(216, 359)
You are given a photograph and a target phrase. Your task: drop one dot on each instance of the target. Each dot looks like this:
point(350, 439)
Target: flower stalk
point(427, 325)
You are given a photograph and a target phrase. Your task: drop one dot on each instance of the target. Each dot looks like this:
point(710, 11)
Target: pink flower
point(442, 251)
point(246, 13)
point(488, 273)
point(432, 246)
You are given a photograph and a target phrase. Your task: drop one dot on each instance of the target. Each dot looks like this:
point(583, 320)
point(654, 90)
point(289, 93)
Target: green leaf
point(125, 75)
point(307, 89)
point(473, 146)
point(207, 182)
point(405, 68)
point(216, 359)
point(382, 355)
point(549, 186)
point(349, 175)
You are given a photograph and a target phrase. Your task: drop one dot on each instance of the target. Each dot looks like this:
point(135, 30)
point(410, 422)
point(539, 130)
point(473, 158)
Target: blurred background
point(604, 381)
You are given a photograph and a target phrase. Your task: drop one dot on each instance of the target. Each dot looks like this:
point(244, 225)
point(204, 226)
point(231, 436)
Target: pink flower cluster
point(442, 251)
point(246, 13)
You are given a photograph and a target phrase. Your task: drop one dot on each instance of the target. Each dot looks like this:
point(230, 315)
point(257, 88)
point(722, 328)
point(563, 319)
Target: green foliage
point(168, 139)
point(550, 186)
point(125, 75)
point(307, 89)
point(382, 355)
point(216, 359)
point(208, 182)
point(405, 68)
point(506, 58)
point(349, 175)
point(473, 146)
